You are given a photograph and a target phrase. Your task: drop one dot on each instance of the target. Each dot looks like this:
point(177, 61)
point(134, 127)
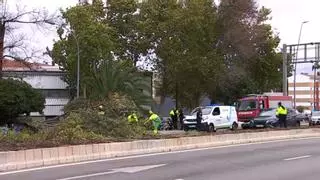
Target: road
point(283, 160)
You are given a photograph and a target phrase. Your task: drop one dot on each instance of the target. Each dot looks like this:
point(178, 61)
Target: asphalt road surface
point(283, 160)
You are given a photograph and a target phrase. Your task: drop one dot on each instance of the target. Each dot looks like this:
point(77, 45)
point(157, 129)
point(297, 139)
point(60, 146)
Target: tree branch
point(24, 62)
point(18, 16)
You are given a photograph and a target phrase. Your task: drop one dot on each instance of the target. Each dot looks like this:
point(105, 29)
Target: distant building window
point(55, 93)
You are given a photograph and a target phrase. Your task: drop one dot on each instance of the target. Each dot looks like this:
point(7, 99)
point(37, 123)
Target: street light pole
point(78, 65)
point(295, 65)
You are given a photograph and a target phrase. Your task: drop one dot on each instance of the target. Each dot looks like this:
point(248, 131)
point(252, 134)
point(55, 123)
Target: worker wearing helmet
point(156, 121)
point(133, 118)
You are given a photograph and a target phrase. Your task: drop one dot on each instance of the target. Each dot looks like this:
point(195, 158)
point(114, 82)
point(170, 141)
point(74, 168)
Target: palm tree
point(112, 78)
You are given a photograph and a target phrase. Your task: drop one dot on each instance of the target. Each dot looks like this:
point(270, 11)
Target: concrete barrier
point(15, 160)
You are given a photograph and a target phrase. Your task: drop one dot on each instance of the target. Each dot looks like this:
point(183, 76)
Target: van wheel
point(234, 126)
point(211, 128)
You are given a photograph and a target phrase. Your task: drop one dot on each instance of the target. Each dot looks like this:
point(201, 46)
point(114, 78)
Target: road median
point(16, 160)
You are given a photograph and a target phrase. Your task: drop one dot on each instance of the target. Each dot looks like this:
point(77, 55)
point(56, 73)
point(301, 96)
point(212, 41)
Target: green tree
point(123, 16)
point(85, 25)
point(248, 45)
point(199, 48)
point(17, 98)
point(183, 38)
point(109, 49)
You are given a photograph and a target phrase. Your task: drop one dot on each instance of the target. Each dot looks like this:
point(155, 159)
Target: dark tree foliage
point(18, 98)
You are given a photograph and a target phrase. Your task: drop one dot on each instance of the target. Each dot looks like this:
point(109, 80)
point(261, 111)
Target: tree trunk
point(2, 33)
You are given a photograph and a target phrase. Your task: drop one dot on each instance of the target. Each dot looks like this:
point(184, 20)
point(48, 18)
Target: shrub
point(16, 98)
point(89, 121)
point(72, 131)
point(114, 107)
point(84, 118)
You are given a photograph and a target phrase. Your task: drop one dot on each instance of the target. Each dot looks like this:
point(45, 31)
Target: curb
point(16, 160)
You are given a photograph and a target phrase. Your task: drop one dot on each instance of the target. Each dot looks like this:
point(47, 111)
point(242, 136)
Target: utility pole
point(284, 70)
point(78, 63)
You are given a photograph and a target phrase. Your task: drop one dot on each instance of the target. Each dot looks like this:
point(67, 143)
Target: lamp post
point(295, 65)
point(78, 64)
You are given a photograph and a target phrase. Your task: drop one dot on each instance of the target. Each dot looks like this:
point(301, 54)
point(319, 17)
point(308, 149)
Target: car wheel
point(186, 128)
point(211, 128)
point(234, 126)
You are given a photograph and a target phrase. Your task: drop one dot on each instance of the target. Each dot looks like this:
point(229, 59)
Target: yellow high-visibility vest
point(282, 111)
point(132, 118)
point(171, 113)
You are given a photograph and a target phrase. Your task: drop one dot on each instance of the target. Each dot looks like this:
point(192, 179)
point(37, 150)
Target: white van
point(213, 118)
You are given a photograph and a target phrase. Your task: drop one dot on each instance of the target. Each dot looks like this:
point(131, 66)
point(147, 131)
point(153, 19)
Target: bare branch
point(18, 16)
point(16, 45)
point(24, 62)
point(33, 22)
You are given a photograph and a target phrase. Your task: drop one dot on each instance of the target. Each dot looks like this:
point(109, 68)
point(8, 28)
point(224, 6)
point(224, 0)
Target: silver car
point(315, 118)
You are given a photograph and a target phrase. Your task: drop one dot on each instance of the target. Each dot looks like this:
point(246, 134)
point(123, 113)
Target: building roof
point(13, 65)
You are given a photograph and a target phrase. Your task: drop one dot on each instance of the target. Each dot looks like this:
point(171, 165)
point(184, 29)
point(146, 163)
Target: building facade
point(307, 90)
point(48, 79)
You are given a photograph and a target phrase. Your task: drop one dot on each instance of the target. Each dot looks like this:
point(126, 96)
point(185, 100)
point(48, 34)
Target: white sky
point(287, 17)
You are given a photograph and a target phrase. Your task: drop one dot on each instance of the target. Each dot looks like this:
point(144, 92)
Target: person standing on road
point(174, 118)
point(282, 115)
point(199, 118)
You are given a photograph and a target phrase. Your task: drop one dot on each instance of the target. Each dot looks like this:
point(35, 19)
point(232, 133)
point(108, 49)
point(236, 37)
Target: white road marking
point(296, 158)
point(134, 169)
point(89, 175)
point(148, 155)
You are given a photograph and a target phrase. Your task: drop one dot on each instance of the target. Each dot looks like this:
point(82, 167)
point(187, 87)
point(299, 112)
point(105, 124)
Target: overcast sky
point(287, 17)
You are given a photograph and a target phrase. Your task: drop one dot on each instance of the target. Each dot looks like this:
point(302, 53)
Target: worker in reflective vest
point(156, 122)
point(133, 118)
point(174, 118)
point(282, 115)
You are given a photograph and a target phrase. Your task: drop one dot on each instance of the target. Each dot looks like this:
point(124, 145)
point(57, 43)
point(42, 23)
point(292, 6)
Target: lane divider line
point(297, 158)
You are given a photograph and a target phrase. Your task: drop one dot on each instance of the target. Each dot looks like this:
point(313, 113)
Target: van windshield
point(247, 105)
point(204, 110)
